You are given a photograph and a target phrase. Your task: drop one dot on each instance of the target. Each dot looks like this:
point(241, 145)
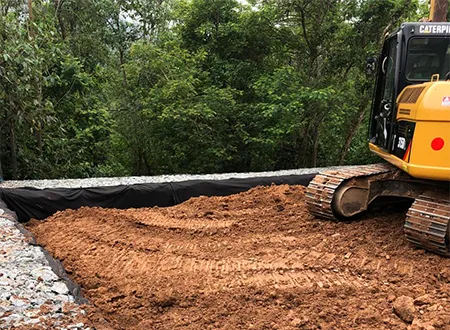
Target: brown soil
point(256, 260)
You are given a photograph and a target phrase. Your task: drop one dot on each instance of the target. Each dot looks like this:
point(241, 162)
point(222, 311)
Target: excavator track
point(321, 190)
point(427, 222)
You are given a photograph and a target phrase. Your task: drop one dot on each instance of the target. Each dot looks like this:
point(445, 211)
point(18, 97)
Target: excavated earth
point(255, 260)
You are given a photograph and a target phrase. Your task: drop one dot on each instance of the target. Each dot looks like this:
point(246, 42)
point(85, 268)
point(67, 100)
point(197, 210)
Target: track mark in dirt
point(293, 278)
point(163, 221)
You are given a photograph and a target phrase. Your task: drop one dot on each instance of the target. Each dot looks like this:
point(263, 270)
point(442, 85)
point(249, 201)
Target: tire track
point(214, 275)
point(169, 222)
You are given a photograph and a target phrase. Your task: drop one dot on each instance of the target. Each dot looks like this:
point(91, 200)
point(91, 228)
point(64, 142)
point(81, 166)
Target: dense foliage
point(138, 87)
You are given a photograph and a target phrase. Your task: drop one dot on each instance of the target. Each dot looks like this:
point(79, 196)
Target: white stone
point(60, 287)
point(44, 273)
point(9, 273)
point(43, 287)
point(62, 298)
point(18, 302)
point(22, 292)
point(32, 312)
point(5, 282)
point(14, 317)
point(32, 321)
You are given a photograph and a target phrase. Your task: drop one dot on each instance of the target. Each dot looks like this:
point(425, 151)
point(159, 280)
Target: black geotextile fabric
point(31, 203)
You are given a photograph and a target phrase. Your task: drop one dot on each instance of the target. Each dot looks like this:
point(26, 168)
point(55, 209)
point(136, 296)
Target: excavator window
point(388, 68)
point(385, 95)
point(426, 57)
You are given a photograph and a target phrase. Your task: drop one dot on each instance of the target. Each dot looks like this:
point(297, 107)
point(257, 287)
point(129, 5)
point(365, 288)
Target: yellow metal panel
point(421, 151)
point(405, 101)
point(406, 112)
point(432, 106)
point(387, 156)
point(431, 102)
point(416, 170)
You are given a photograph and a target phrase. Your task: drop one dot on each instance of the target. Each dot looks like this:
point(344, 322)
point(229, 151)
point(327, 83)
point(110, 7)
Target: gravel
point(117, 181)
point(30, 292)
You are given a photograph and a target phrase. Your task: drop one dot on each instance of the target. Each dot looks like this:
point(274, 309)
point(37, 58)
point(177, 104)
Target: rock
point(32, 321)
point(42, 287)
point(4, 295)
point(423, 300)
point(30, 292)
point(433, 308)
point(9, 274)
point(297, 322)
point(32, 313)
point(45, 273)
point(63, 298)
point(404, 308)
point(420, 325)
point(18, 302)
point(14, 318)
point(5, 282)
point(60, 287)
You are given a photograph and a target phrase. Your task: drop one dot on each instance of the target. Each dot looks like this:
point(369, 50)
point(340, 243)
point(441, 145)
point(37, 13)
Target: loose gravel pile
point(31, 294)
point(117, 181)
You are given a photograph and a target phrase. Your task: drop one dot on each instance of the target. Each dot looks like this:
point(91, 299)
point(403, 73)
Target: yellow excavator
point(410, 129)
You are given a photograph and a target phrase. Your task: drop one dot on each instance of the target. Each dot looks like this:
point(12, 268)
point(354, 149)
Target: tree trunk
point(315, 145)
point(147, 165)
point(316, 124)
point(304, 146)
point(122, 64)
point(38, 136)
point(37, 131)
point(439, 10)
point(363, 106)
point(31, 18)
point(62, 27)
point(1, 168)
point(12, 148)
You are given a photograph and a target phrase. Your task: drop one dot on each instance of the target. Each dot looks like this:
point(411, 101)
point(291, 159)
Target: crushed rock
point(118, 181)
point(31, 294)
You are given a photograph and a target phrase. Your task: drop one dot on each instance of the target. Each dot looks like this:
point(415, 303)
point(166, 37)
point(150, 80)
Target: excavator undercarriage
point(342, 194)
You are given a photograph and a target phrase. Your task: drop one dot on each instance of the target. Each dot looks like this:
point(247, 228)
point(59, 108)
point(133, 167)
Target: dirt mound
point(255, 260)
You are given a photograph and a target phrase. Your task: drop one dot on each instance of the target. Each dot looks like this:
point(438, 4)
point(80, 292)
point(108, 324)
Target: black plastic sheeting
point(31, 203)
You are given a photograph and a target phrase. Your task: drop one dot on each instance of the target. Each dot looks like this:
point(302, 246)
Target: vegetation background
point(145, 87)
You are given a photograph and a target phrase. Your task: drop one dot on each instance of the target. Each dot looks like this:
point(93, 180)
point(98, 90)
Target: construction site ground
point(256, 260)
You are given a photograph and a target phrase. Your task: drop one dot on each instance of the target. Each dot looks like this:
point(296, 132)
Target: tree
point(114, 87)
